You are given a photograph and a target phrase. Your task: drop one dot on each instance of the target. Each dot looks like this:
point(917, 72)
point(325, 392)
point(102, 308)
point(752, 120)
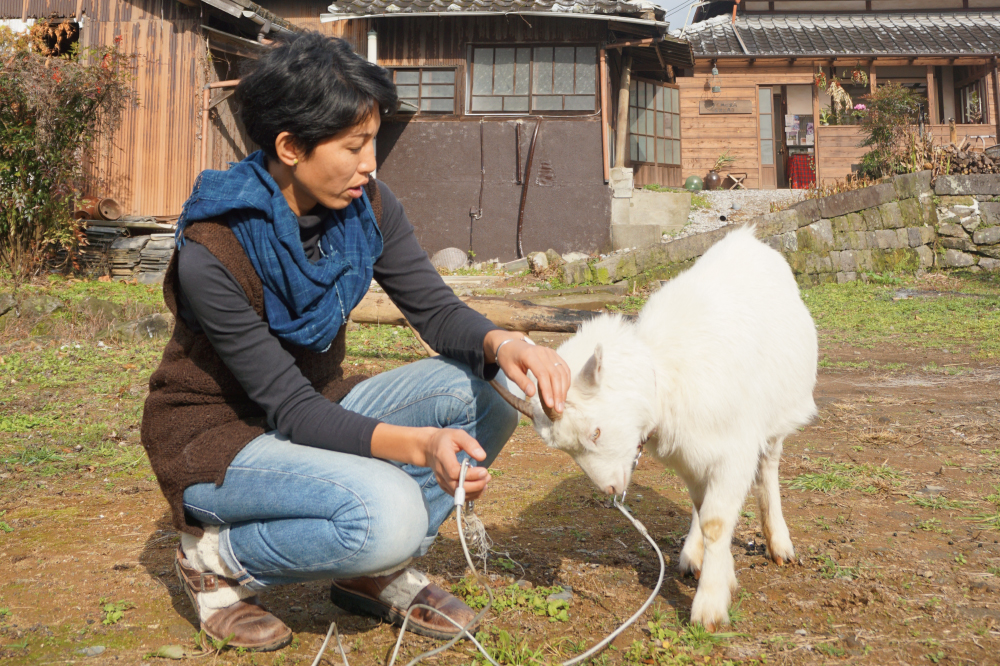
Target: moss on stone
point(895, 261)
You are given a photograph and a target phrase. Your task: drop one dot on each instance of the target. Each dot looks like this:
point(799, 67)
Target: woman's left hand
point(518, 356)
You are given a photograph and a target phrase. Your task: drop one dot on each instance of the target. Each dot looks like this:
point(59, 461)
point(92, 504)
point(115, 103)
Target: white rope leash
point(464, 632)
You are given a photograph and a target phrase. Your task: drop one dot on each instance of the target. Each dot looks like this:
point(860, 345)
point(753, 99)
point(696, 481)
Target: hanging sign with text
point(725, 106)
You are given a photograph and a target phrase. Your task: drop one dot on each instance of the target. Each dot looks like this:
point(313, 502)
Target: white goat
point(718, 369)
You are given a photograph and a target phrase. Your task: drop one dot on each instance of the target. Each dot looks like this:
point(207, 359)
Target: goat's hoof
point(696, 573)
point(779, 560)
point(710, 627)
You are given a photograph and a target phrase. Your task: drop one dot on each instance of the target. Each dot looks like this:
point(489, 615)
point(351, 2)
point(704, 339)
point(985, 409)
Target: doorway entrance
point(773, 153)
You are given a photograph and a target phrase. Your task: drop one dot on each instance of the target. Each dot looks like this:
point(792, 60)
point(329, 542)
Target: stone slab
point(912, 185)
point(856, 200)
point(956, 259)
point(628, 236)
point(987, 236)
point(990, 212)
point(615, 268)
point(989, 264)
point(669, 210)
point(576, 272)
point(969, 184)
point(926, 256)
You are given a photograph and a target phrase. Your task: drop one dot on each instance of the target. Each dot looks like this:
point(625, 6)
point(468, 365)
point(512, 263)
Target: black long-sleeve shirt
point(211, 300)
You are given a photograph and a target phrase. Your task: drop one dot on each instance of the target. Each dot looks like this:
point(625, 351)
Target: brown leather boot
point(246, 620)
point(390, 597)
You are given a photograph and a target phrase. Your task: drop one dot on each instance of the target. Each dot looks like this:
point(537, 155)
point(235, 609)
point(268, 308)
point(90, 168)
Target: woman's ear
point(287, 149)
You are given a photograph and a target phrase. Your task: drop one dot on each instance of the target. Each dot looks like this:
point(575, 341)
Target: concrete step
point(627, 236)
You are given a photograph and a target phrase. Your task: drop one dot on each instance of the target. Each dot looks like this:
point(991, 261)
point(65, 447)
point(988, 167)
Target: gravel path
point(748, 205)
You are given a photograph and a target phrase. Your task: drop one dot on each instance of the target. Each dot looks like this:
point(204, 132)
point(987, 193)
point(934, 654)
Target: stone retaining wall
point(903, 224)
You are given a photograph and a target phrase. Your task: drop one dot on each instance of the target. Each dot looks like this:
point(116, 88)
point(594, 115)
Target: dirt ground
point(891, 496)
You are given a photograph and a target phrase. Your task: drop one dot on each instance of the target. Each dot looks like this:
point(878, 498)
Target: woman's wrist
point(496, 339)
point(402, 444)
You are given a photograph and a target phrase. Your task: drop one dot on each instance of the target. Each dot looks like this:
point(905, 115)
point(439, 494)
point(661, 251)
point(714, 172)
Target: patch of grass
point(830, 650)
point(828, 568)
point(835, 476)
point(936, 503)
point(631, 305)
point(700, 201)
point(989, 519)
point(114, 611)
point(512, 597)
point(865, 315)
point(931, 525)
point(506, 649)
point(384, 342)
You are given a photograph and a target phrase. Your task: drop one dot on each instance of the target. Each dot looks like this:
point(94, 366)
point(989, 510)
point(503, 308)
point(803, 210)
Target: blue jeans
point(290, 513)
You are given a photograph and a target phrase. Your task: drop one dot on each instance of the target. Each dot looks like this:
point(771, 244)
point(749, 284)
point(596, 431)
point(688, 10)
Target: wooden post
point(815, 92)
point(931, 97)
point(871, 78)
point(996, 98)
point(604, 114)
point(621, 129)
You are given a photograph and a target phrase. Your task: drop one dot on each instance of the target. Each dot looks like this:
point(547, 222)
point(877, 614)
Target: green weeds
point(114, 611)
point(534, 600)
point(836, 476)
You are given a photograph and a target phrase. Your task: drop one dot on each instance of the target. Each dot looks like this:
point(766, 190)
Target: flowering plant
point(820, 79)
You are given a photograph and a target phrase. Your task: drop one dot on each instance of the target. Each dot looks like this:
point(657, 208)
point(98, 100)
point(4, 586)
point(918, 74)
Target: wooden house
point(509, 117)
point(756, 67)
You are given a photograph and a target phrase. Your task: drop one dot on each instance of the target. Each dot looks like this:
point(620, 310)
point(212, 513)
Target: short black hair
point(311, 86)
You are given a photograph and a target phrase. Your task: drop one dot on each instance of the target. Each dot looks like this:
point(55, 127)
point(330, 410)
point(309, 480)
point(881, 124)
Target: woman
point(276, 467)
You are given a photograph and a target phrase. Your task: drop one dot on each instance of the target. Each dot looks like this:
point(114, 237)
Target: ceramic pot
point(713, 180)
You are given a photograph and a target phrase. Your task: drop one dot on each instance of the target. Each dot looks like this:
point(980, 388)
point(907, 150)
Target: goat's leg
point(768, 491)
point(693, 552)
point(718, 515)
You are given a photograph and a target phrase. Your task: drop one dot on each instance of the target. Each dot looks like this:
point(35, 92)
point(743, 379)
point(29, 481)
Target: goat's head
point(609, 412)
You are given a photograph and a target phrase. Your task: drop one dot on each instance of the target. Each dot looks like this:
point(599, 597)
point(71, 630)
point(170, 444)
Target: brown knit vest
point(197, 417)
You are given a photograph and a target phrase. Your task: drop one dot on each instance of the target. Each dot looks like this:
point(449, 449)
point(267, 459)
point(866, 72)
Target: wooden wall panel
point(839, 151)
point(151, 163)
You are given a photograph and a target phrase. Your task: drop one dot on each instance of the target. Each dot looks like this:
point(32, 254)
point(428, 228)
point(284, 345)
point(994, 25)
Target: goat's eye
point(597, 433)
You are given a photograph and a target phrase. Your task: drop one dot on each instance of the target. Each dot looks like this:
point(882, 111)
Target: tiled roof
point(361, 7)
point(849, 34)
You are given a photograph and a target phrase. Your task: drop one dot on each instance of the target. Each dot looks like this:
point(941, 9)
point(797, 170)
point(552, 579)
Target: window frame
point(469, 73)
point(397, 114)
point(676, 132)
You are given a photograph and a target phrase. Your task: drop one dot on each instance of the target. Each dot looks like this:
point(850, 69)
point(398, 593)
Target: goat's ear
point(590, 375)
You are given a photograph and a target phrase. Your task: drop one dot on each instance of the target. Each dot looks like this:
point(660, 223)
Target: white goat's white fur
point(718, 369)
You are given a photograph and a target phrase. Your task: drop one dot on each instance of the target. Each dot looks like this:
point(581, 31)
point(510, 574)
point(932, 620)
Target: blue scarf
point(306, 302)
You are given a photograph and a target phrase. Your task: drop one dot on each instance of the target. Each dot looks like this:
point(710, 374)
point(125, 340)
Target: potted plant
point(713, 180)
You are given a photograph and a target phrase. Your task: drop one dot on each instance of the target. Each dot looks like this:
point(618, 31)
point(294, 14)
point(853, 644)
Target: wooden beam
point(752, 61)
point(621, 127)
point(604, 114)
point(816, 148)
point(659, 56)
point(512, 315)
point(932, 115)
point(871, 78)
point(633, 42)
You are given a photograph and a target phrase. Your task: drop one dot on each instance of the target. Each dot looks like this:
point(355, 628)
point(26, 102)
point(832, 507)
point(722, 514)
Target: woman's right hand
point(436, 448)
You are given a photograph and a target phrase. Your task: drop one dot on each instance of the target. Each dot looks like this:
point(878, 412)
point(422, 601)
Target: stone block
point(969, 184)
point(841, 241)
point(970, 223)
point(848, 261)
point(846, 276)
point(835, 260)
point(7, 303)
point(628, 236)
point(824, 264)
point(144, 328)
point(816, 237)
point(840, 224)
point(957, 259)
point(808, 210)
point(780, 222)
point(990, 212)
point(989, 264)
point(925, 256)
point(797, 260)
point(948, 201)
point(615, 268)
point(773, 242)
point(990, 251)
point(789, 242)
point(538, 262)
point(872, 218)
point(912, 212)
point(856, 200)
point(920, 235)
point(865, 259)
point(622, 183)
point(871, 242)
point(953, 230)
point(912, 185)
point(895, 260)
point(516, 266)
point(668, 209)
point(553, 258)
point(680, 250)
point(902, 238)
point(885, 239)
point(963, 244)
point(856, 222)
point(576, 272)
point(891, 216)
point(987, 236)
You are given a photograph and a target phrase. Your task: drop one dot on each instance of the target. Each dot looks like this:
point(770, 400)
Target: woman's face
point(334, 173)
